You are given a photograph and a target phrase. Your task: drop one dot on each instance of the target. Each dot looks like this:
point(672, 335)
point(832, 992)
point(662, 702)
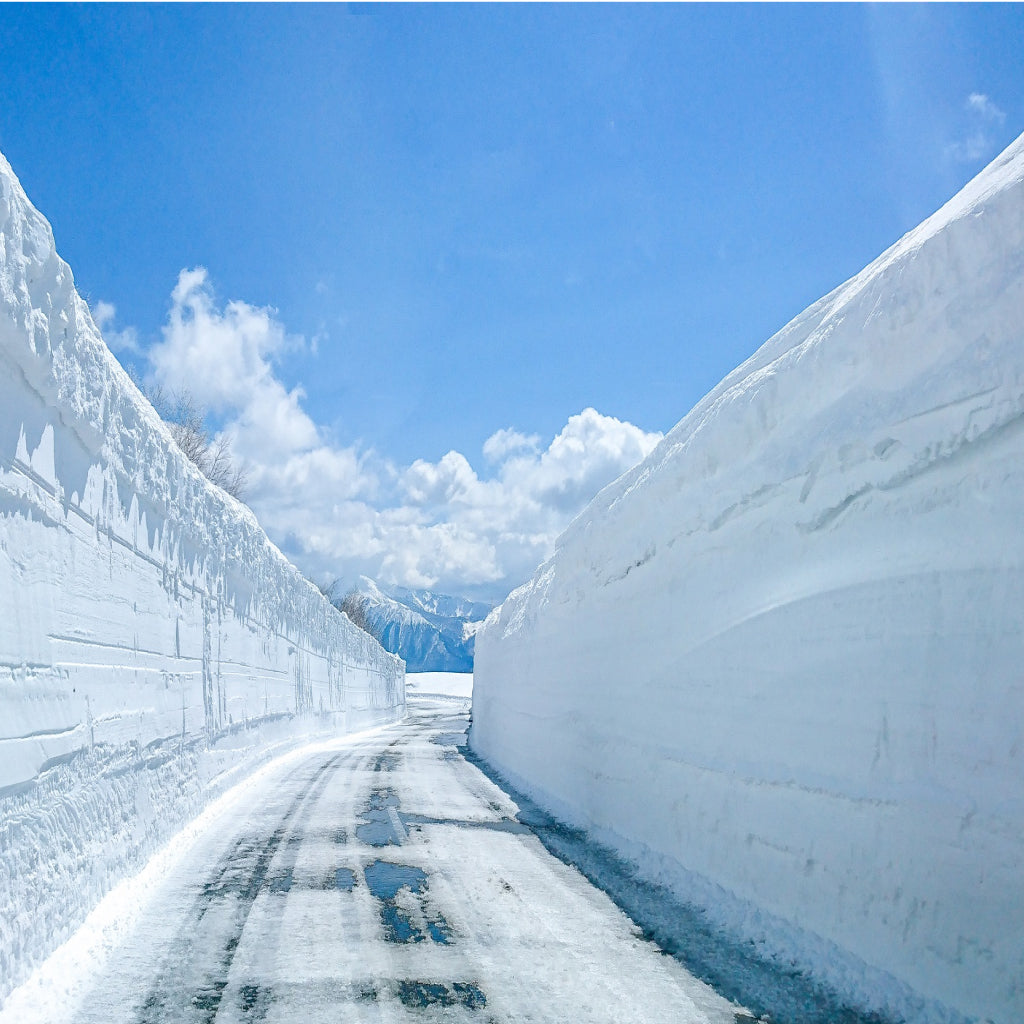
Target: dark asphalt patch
point(379, 819)
point(344, 879)
point(386, 880)
point(435, 993)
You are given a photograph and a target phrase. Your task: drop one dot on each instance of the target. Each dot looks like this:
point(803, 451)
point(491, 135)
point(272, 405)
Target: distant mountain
point(432, 632)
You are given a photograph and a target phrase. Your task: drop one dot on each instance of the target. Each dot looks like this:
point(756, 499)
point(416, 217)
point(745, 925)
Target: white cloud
point(224, 357)
point(533, 497)
point(591, 451)
point(981, 104)
point(977, 142)
point(127, 340)
point(342, 511)
point(452, 480)
point(505, 441)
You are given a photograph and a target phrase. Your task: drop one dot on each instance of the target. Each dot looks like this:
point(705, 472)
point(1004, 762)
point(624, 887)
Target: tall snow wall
point(154, 645)
point(780, 664)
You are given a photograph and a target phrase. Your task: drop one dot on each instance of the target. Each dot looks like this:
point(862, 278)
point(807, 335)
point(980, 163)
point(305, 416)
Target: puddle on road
point(381, 825)
point(385, 878)
point(381, 799)
point(404, 910)
point(435, 993)
point(345, 879)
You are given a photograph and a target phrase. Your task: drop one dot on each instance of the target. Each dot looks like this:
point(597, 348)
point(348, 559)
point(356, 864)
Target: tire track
point(191, 984)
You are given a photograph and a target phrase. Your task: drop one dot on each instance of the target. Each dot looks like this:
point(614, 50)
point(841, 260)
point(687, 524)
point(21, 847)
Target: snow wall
point(780, 663)
point(154, 645)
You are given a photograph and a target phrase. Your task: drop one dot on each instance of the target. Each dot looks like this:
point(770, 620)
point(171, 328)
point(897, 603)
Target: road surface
point(381, 878)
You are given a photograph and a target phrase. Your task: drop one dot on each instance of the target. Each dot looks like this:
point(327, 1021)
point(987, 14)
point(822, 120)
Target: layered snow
point(154, 645)
point(781, 662)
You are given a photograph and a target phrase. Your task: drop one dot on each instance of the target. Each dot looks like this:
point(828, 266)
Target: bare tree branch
point(187, 423)
point(355, 609)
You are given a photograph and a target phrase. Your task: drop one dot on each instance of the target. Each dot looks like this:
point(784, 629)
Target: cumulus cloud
point(450, 481)
point(505, 441)
point(591, 451)
point(341, 511)
point(224, 357)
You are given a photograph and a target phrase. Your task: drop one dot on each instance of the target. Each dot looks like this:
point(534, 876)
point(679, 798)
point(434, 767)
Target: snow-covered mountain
point(778, 664)
point(431, 632)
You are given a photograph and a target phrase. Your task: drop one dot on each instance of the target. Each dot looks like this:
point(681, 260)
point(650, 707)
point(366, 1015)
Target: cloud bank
point(339, 511)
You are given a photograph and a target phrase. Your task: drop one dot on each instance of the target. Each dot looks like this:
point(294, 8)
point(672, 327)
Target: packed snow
point(453, 685)
point(154, 645)
point(778, 664)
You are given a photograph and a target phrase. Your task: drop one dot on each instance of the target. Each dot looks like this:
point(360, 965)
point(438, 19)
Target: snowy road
point(382, 879)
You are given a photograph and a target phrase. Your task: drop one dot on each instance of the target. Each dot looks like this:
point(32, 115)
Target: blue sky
point(431, 231)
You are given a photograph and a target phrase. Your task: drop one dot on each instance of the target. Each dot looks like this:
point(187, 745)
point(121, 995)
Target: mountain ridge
point(431, 632)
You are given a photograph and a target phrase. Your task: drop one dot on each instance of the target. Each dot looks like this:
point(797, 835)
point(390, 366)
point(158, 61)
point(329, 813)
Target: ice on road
point(384, 878)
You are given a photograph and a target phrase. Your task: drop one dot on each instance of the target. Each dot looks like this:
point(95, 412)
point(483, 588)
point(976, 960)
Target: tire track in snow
point(189, 989)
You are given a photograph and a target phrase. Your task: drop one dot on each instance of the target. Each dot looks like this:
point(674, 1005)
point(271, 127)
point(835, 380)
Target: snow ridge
point(782, 655)
point(154, 644)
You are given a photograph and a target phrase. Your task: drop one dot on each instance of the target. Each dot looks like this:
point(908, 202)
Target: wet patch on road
point(387, 762)
point(281, 883)
point(435, 993)
point(449, 739)
point(381, 824)
point(254, 1003)
point(344, 879)
point(341, 879)
point(405, 910)
point(502, 825)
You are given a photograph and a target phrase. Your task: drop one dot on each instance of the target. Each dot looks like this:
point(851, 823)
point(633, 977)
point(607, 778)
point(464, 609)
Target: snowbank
point(784, 655)
point(154, 645)
point(457, 685)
